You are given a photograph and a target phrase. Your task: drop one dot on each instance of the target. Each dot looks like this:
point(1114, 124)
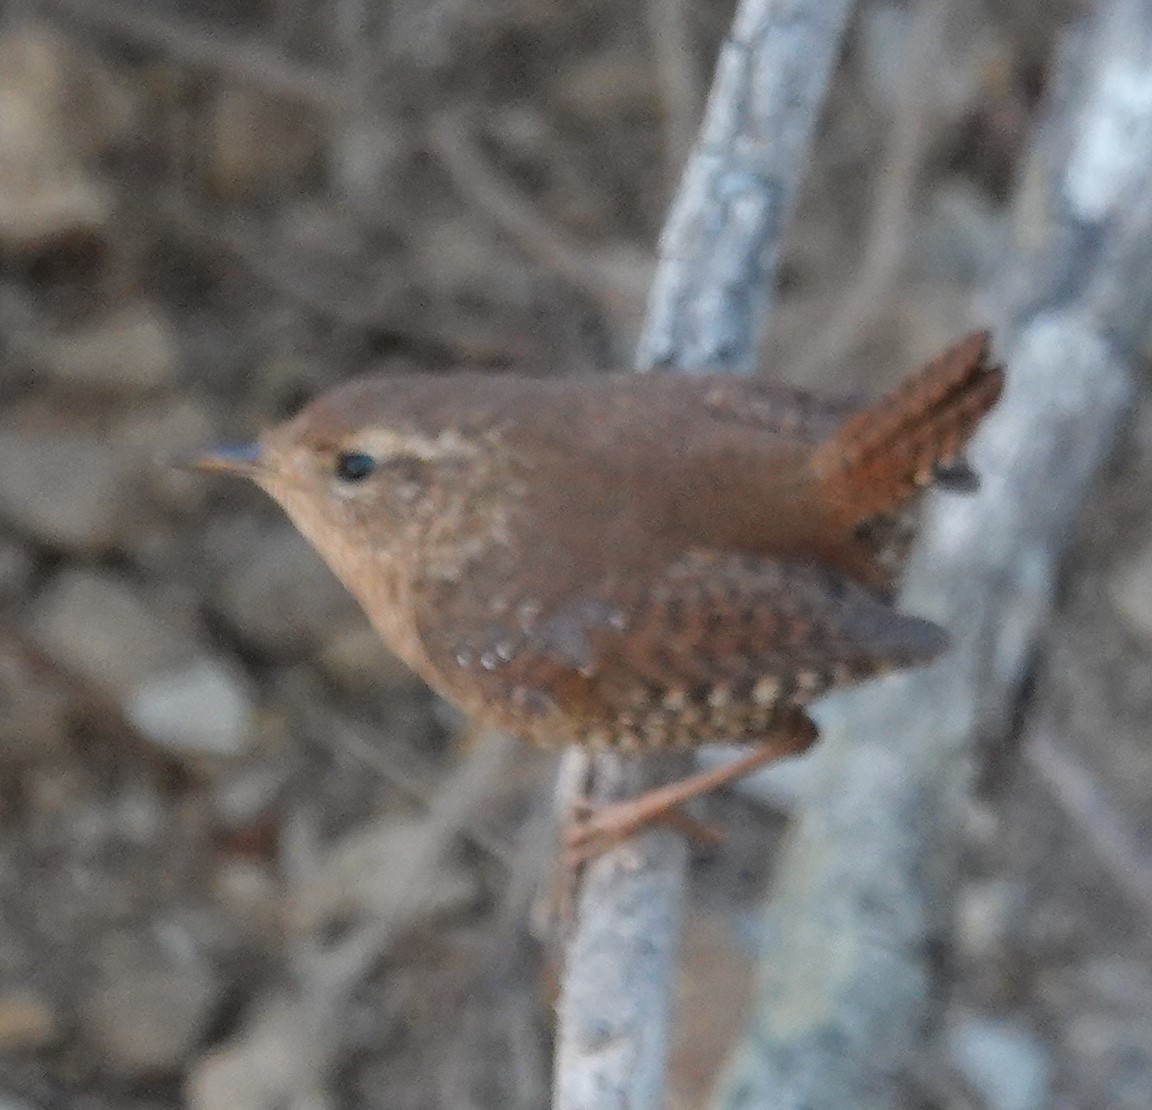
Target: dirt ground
point(210, 210)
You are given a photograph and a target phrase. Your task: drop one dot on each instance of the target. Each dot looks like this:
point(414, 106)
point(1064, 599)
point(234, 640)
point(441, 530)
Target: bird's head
point(370, 469)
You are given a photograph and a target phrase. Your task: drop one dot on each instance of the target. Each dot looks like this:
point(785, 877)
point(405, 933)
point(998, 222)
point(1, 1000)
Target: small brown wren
point(638, 562)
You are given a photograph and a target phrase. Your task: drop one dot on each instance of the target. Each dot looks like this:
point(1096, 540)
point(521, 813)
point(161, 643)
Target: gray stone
point(154, 665)
point(47, 191)
point(131, 351)
point(75, 493)
point(100, 627)
point(1010, 1066)
point(145, 1023)
point(203, 709)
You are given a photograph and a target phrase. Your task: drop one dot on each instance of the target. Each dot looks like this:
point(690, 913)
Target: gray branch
point(709, 303)
point(712, 292)
point(867, 878)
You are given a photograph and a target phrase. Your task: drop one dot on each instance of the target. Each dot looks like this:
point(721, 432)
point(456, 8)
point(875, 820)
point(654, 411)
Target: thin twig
point(347, 963)
point(246, 62)
point(617, 282)
point(713, 289)
point(1116, 841)
point(345, 736)
point(708, 306)
point(284, 1054)
point(293, 274)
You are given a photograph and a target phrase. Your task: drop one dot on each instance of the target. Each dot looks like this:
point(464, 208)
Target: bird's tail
point(878, 458)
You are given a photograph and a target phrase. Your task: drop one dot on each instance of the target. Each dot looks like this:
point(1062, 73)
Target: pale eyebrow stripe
point(386, 444)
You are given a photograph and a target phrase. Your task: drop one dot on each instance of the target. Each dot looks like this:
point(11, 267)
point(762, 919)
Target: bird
point(630, 562)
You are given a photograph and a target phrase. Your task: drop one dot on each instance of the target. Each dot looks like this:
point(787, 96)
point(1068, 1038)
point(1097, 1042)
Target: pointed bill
point(245, 459)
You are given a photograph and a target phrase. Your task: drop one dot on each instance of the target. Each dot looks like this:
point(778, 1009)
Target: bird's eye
point(354, 466)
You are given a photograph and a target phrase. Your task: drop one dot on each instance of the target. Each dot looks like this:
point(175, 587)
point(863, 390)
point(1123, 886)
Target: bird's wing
point(712, 648)
point(776, 409)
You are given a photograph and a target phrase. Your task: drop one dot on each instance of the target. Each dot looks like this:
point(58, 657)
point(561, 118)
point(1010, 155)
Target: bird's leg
point(586, 813)
point(595, 829)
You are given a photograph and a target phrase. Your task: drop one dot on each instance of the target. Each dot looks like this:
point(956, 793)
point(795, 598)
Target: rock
point(74, 493)
point(34, 710)
point(1010, 1066)
point(27, 1021)
point(153, 665)
point(145, 1023)
point(201, 710)
point(98, 626)
point(246, 797)
point(130, 352)
point(46, 193)
point(276, 592)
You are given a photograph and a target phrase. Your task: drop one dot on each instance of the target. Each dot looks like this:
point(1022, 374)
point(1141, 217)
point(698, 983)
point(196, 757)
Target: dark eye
point(352, 466)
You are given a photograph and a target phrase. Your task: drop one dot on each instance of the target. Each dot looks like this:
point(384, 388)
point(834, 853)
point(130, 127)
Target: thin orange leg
point(601, 827)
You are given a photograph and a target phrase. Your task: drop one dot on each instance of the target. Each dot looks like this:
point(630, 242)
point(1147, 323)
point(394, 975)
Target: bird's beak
point(245, 459)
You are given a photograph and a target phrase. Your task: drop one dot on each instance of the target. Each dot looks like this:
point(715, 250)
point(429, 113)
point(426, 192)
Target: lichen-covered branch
point(865, 883)
point(713, 288)
point(708, 307)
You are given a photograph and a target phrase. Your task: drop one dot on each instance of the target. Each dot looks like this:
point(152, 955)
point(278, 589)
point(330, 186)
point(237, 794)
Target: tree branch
point(866, 882)
point(708, 306)
point(712, 292)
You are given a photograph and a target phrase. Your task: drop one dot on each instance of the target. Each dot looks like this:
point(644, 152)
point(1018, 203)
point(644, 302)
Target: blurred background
point(209, 768)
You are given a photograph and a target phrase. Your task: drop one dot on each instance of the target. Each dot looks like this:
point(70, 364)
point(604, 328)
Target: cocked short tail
point(877, 459)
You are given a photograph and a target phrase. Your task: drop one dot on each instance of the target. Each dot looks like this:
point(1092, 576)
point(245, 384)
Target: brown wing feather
point(715, 648)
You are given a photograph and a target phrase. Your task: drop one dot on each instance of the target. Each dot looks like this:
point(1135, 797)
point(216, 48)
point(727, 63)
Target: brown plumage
point(628, 561)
